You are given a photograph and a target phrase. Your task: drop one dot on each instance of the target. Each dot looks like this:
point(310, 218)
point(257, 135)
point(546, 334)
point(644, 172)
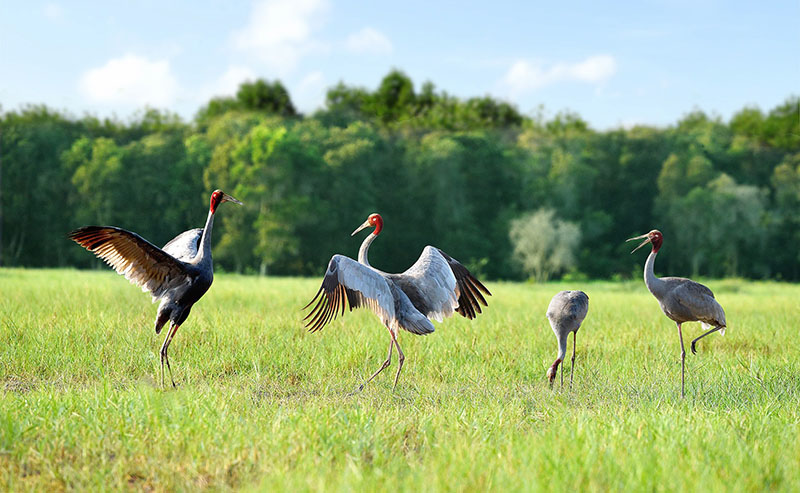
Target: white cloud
point(310, 92)
point(312, 81)
point(228, 83)
point(53, 11)
point(369, 40)
point(525, 76)
point(279, 32)
point(131, 80)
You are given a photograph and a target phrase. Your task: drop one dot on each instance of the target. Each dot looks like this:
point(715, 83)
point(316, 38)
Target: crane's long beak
point(645, 242)
point(365, 225)
point(228, 198)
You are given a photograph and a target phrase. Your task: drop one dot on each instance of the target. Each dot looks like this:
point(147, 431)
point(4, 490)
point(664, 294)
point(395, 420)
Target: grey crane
point(681, 299)
point(566, 312)
point(178, 274)
point(433, 288)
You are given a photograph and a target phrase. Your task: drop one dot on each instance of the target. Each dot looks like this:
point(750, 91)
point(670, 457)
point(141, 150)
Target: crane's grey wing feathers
point(699, 301)
point(347, 282)
point(186, 245)
point(142, 263)
point(468, 288)
point(429, 285)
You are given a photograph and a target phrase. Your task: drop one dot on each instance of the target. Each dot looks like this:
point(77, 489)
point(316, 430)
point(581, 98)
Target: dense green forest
point(441, 170)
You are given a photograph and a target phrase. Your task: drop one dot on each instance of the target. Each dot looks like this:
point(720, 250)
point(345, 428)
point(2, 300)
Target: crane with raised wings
point(434, 288)
point(178, 275)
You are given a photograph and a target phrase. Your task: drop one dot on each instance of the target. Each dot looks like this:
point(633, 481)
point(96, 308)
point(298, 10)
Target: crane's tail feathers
point(709, 326)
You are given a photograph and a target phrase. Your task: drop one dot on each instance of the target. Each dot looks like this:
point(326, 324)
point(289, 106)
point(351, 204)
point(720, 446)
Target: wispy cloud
point(280, 32)
point(53, 11)
point(526, 76)
point(369, 40)
point(131, 80)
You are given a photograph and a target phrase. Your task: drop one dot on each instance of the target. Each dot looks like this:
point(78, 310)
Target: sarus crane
point(566, 312)
point(433, 288)
point(178, 275)
point(681, 299)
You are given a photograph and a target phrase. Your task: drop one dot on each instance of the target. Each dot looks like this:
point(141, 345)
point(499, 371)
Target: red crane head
point(654, 237)
point(218, 197)
point(373, 220)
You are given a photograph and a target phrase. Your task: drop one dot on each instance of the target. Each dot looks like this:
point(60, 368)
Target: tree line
point(511, 195)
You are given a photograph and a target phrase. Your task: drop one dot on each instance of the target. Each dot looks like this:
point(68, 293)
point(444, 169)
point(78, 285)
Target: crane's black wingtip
point(312, 300)
point(75, 233)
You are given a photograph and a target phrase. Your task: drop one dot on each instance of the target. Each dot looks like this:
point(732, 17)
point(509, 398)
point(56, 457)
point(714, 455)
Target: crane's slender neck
point(562, 345)
point(551, 372)
point(204, 252)
point(362, 252)
point(654, 284)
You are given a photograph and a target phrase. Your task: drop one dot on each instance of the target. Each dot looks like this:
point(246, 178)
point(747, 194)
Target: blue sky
point(614, 63)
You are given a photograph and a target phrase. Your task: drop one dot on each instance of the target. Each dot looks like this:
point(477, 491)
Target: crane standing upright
point(178, 275)
point(681, 299)
point(566, 312)
point(433, 288)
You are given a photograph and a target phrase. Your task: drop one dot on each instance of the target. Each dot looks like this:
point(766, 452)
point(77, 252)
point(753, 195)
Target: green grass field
point(262, 404)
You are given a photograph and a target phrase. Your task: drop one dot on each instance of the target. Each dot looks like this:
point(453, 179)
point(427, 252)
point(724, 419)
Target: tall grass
point(262, 404)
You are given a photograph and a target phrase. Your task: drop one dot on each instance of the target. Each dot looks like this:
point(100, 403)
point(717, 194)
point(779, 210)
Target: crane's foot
point(694, 351)
point(360, 388)
point(399, 368)
point(385, 365)
point(165, 359)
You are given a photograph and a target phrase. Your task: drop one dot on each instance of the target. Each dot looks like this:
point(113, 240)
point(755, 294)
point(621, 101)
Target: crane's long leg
point(163, 352)
point(400, 358)
point(572, 366)
point(683, 359)
point(164, 358)
point(703, 335)
point(383, 367)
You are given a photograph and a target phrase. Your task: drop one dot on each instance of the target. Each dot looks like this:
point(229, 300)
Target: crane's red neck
point(377, 221)
point(216, 199)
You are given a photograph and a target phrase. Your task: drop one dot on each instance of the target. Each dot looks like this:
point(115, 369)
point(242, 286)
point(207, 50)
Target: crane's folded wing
point(700, 302)
point(348, 282)
point(141, 262)
point(568, 305)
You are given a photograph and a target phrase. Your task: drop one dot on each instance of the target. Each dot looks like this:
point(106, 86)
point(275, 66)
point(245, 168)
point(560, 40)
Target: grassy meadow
point(263, 405)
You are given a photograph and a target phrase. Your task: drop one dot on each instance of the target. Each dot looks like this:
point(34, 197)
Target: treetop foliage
point(441, 170)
